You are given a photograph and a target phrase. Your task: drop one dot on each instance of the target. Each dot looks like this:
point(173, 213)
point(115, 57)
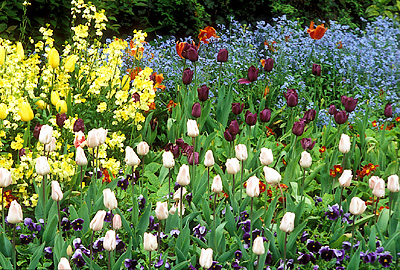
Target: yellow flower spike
point(69, 65)
point(20, 51)
point(55, 98)
point(2, 55)
point(41, 104)
point(25, 111)
point(125, 82)
point(54, 58)
point(3, 111)
point(61, 106)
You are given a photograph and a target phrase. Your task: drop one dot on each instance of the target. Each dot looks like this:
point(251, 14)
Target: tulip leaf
point(121, 259)
point(269, 213)
point(36, 257)
point(227, 256)
point(125, 223)
point(50, 231)
point(181, 265)
point(84, 214)
point(274, 250)
point(183, 240)
point(5, 263)
point(355, 260)
point(206, 211)
point(180, 256)
point(95, 266)
point(205, 113)
point(60, 248)
point(143, 223)
point(5, 245)
point(231, 224)
point(293, 236)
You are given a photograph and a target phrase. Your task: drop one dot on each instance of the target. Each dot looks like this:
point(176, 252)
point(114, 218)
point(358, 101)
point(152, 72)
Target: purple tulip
point(252, 75)
point(269, 64)
point(196, 158)
point(79, 125)
point(60, 119)
point(292, 97)
point(233, 128)
point(36, 131)
point(316, 70)
point(341, 117)
point(222, 55)
point(388, 110)
point(349, 103)
point(190, 52)
point(307, 143)
point(309, 115)
point(203, 92)
point(265, 115)
point(250, 118)
point(196, 110)
point(298, 128)
point(187, 76)
point(228, 136)
point(332, 109)
point(237, 108)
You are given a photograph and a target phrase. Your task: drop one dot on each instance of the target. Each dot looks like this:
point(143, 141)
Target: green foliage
point(389, 8)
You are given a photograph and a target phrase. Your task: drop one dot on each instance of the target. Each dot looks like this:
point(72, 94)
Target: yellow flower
point(101, 107)
point(61, 106)
point(41, 104)
point(3, 111)
point(54, 58)
point(69, 65)
point(2, 55)
point(20, 51)
point(125, 82)
point(55, 98)
point(25, 111)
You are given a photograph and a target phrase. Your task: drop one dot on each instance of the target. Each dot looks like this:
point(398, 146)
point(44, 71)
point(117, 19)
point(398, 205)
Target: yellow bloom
point(20, 51)
point(41, 104)
point(101, 107)
point(54, 58)
point(69, 65)
point(3, 111)
point(55, 98)
point(61, 106)
point(125, 82)
point(2, 55)
point(25, 111)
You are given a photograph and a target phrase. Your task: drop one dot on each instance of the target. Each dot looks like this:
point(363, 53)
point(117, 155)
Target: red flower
point(338, 168)
point(398, 119)
point(262, 186)
point(106, 177)
point(322, 149)
point(332, 173)
point(179, 48)
point(318, 32)
point(206, 34)
point(284, 161)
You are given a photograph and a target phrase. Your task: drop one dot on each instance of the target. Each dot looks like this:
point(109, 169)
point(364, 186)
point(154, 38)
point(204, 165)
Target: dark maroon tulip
point(237, 108)
point(250, 118)
point(187, 149)
point(175, 151)
point(341, 117)
point(203, 92)
point(269, 64)
point(179, 142)
point(307, 143)
point(349, 103)
point(316, 70)
point(332, 109)
point(79, 125)
point(234, 128)
point(36, 131)
point(265, 115)
point(228, 136)
point(60, 119)
point(136, 97)
point(222, 55)
point(187, 76)
point(190, 52)
point(22, 152)
point(196, 110)
point(196, 158)
point(309, 115)
point(153, 124)
point(252, 73)
point(388, 110)
point(292, 97)
point(298, 128)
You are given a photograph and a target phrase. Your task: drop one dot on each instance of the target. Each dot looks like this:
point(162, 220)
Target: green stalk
point(109, 260)
point(15, 251)
point(180, 210)
point(44, 197)
point(284, 252)
point(352, 235)
point(59, 216)
point(2, 207)
point(91, 250)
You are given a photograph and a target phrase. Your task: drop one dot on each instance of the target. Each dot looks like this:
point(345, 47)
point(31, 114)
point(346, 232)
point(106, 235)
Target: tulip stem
point(390, 202)
point(215, 202)
point(169, 187)
point(15, 251)
point(193, 158)
point(109, 260)
point(180, 209)
point(149, 259)
point(284, 252)
point(340, 202)
point(283, 198)
point(376, 210)
point(142, 176)
point(343, 161)
point(352, 235)
point(258, 263)
point(208, 182)
point(219, 76)
point(91, 250)
point(159, 236)
point(302, 185)
point(2, 207)
point(233, 186)
point(59, 216)
point(44, 197)
point(241, 181)
point(251, 222)
point(80, 185)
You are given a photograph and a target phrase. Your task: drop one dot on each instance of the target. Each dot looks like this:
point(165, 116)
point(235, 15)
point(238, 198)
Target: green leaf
point(121, 259)
point(231, 224)
point(270, 212)
point(355, 260)
point(5, 263)
point(95, 266)
point(181, 265)
point(50, 232)
point(125, 223)
point(5, 245)
point(36, 257)
point(143, 223)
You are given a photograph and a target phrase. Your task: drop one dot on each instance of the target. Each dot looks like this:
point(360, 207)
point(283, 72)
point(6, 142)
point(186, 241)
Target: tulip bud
point(64, 263)
point(222, 55)
point(388, 110)
point(3, 111)
point(150, 242)
point(209, 159)
point(56, 193)
point(102, 133)
point(232, 165)
point(357, 206)
point(258, 246)
point(265, 115)
point(206, 258)
point(36, 130)
point(341, 117)
point(42, 166)
point(234, 128)
point(307, 143)
point(14, 213)
point(69, 65)
point(183, 177)
point(196, 110)
point(61, 106)
point(291, 97)
point(305, 160)
point(162, 210)
point(54, 98)
point(393, 183)
point(177, 194)
point(332, 110)
point(237, 108)
point(5, 178)
point(131, 159)
point(316, 70)
point(60, 119)
point(272, 177)
point(241, 152)
point(217, 184)
point(269, 64)
point(80, 157)
point(79, 125)
point(309, 115)
point(97, 222)
point(142, 148)
point(177, 207)
point(372, 181)
point(110, 241)
point(298, 128)
point(345, 178)
point(2, 55)
point(187, 76)
point(203, 92)
point(287, 222)
point(25, 111)
point(192, 54)
point(349, 103)
point(45, 135)
point(196, 158)
point(253, 187)
point(109, 200)
point(228, 136)
point(250, 118)
point(266, 156)
point(252, 73)
point(344, 144)
point(50, 147)
point(54, 58)
point(20, 51)
point(125, 82)
point(168, 160)
point(192, 128)
point(379, 188)
point(93, 139)
point(117, 222)
point(69, 251)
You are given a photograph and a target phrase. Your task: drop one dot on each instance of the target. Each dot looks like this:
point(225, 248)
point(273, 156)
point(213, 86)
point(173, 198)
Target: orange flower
point(179, 48)
point(158, 78)
point(134, 72)
point(318, 32)
point(374, 123)
point(269, 132)
point(340, 45)
point(266, 91)
point(271, 46)
point(152, 106)
point(171, 104)
point(284, 161)
point(206, 34)
point(398, 119)
point(106, 177)
point(323, 149)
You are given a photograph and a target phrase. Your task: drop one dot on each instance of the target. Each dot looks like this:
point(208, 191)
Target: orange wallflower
point(152, 106)
point(171, 104)
point(206, 34)
point(179, 48)
point(106, 177)
point(271, 46)
point(158, 78)
point(134, 72)
point(318, 32)
point(322, 149)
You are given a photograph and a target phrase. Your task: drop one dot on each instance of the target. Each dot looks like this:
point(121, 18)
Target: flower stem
point(91, 250)
point(109, 260)
point(59, 216)
point(180, 209)
point(193, 159)
point(302, 184)
point(169, 187)
point(80, 185)
point(159, 235)
point(251, 222)
point(15, 251)
point(241, 182)
point(215, 202)
point(2, 208)
point(340, 202)
point(390, 202)
point(376, 210)
point(258, 263)
point(208, 182)
point(352, 235)
point(44, 197)
point(233, 186)
point(149, 259)
point(283, 198)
